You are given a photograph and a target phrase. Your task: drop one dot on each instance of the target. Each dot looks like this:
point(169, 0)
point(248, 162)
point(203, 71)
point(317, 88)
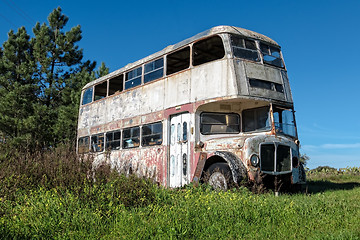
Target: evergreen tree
point(40, 83)
point(18, 89)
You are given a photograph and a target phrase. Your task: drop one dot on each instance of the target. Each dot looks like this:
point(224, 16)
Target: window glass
point(256, 83)
point(271, 55)
point(208, 50)
point(154, 70)
point(256, 119)
point(178, 61)
point(97, 142)
point(131, 137)
point(100, 91)
point(284, 121)
point(244, 48)
point(116, 84)
point(152, 134)
point(113, 140)
point(178, 132)
point(172, 130)
point(87, 96)
point(185, 131)
point(133, 78)
point(213, 123)
point(83, 145)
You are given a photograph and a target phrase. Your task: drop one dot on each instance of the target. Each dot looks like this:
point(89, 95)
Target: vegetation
point(40, 83)
point(56, 194)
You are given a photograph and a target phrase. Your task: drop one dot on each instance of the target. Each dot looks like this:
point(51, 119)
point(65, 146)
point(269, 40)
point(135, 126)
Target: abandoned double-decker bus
point(216, 104)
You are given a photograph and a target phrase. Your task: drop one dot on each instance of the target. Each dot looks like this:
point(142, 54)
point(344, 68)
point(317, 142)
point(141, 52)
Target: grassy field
point(133, 208)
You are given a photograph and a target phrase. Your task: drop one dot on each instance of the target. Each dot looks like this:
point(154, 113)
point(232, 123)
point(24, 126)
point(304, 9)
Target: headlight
point(254, 159)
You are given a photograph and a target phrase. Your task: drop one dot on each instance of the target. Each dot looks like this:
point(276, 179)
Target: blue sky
point(319, 38)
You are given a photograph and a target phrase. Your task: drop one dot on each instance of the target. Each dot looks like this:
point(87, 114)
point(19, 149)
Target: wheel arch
point(238, 170)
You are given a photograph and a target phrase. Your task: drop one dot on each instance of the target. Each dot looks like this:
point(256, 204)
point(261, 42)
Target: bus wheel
point(219, 176)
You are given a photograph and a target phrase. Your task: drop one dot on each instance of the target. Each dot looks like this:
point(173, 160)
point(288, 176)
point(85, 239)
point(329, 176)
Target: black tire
point(218, 175)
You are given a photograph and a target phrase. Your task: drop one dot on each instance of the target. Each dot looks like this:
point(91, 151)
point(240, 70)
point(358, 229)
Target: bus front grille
point(275, 158)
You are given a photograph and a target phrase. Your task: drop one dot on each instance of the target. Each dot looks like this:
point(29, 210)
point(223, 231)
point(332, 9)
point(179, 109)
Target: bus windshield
point(284, 121)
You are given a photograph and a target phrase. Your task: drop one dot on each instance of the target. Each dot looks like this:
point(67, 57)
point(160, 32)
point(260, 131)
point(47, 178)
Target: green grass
point(50, 196)
point(195, 213)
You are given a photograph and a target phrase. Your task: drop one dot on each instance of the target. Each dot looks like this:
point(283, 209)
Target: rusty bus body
point(217, 102)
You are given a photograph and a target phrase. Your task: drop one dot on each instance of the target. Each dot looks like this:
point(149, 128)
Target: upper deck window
point(116, 84)
point(213, 123)
point(87, 96)
point(133, 78)
point(100, 91)
point(244, 48)
point(154, 70)
point(256, 119)
point(208, 50)
point(178, 61)
point(271, 55)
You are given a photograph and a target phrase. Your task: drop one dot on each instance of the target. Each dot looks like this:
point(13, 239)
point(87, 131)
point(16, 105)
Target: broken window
point(152, 134)
point(178, 61)
point(215, 123)
point(257, 83)
point(284, 121)
point(83, 145)
point(100, 91)
point(208, 50)
point(133, 78)
point(271, 55)
point(244, 48)
point(154, 70)
point(256, 119)
point(97, 142)
point(87, 96)
point(116, 84)
point(131, 137)
point(113, 140)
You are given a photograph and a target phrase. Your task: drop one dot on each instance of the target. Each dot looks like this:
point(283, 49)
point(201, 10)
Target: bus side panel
point(147, 162)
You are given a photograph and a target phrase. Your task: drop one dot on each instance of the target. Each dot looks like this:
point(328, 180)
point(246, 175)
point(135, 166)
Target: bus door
point(179, 150)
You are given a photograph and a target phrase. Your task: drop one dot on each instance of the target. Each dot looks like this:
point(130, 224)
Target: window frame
point(108, 144)
point(131, 129)
point(244, 47)
point(143, 135)
point(131, 81)
point(145, 73)
point(256, 121)
point(84, 146)
point(193, 50)
point(99, 144)
point(91, 89)
point(219, 113)
point(269, 53)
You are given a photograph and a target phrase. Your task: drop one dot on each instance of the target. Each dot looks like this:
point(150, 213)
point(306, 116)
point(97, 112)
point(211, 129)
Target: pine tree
point(18, 89)
point(40, 83)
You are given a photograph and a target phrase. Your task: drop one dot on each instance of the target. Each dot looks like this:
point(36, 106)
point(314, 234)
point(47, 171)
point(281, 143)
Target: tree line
point(40, 83)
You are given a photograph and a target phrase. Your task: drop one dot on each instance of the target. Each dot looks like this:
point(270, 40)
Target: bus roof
point(212, 31)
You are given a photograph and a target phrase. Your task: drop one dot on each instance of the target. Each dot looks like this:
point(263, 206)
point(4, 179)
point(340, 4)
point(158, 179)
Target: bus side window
point(131, 137)
point(87, 96)
point(178, 61)
point(116, 84)
point(152, 134)
point(100, 91)
point(83, 145)
point(208, 50)
point(113, 140)
point(133, 78)
point(97, 142)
